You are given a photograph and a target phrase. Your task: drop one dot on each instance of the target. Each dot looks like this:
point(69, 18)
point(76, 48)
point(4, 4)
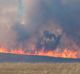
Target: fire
point(15, 51)
point(62, 54)
point(3, 50)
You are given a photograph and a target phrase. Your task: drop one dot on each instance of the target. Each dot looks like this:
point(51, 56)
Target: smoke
point(7, 16)
point(40, 15)
point(69, 19)
point(39, 19)
point(53, 15)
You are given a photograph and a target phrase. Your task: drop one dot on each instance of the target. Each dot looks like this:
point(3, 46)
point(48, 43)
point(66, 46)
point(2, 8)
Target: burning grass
point(40, 68)
point(66, 53)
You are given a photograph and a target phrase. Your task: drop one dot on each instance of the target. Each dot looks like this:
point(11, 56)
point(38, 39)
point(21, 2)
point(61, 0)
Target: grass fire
point(40, 28)
point(39, 36)
point(63, 54)
point(45, 45)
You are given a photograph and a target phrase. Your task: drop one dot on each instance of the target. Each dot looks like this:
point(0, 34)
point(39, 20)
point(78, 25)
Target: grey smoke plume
point(52, 15)
point(44, 14)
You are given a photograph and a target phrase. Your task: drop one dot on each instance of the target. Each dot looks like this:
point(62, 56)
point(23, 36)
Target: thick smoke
point(7, 17)
point(52, 15)
point(40, 19)
point(69, 16)
point(40, 15)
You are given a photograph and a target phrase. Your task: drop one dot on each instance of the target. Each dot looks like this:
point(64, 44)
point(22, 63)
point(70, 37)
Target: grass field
point(44, 68)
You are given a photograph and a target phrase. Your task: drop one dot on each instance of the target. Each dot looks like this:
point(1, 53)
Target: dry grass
point(45, 68)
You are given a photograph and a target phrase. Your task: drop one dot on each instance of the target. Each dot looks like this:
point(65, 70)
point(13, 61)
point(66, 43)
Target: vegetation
point(40, 68)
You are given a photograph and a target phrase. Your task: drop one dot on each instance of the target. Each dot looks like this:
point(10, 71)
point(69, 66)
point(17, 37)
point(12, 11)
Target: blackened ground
point(33, 59)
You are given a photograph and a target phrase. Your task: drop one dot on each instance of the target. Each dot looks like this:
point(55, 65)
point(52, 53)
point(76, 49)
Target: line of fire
point(45, 45)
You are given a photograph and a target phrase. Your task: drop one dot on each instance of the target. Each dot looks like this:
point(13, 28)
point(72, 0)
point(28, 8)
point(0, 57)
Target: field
point(39, 68)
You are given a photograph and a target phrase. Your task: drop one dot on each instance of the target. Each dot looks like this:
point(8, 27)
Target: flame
point(3, 50)
point(66, 53)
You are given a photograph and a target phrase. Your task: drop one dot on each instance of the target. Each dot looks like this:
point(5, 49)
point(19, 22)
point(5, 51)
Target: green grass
point(44, 68)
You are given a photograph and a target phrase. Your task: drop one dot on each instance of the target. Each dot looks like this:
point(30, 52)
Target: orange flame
point(63, 54)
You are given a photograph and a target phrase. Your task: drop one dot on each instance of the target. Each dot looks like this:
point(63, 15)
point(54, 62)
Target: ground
point(40, 68)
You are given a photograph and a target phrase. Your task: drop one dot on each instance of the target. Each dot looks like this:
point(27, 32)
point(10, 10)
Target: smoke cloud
point(58, 16)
